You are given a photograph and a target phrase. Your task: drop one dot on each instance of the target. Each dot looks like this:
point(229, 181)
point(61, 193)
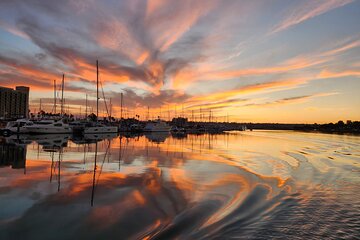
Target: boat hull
point(157, 130)
point(94, 130)
point(48, 130)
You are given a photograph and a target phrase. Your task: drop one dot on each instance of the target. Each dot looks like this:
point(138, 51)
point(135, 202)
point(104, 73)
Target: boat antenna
point(97, 90)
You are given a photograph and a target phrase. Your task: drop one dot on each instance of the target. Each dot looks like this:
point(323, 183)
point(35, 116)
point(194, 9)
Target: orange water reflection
point(188, 186)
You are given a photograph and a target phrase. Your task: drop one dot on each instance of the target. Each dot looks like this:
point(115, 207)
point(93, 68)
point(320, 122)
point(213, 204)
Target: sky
point(247, 61)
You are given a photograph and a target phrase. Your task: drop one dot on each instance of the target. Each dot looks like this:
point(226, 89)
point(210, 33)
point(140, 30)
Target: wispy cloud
point(290, 100)
point(307, 10)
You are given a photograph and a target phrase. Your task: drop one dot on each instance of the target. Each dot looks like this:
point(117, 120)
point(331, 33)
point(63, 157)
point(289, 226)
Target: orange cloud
point(329, 74)
point(291, 100)
point(251, 89)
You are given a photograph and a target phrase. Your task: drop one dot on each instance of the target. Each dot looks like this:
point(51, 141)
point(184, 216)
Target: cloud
point(254, 88)
point(330, 74)
point(305, 11)
point(290, 100)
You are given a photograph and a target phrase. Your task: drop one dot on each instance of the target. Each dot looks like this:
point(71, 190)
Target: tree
point(340, 123)
point(92, 117)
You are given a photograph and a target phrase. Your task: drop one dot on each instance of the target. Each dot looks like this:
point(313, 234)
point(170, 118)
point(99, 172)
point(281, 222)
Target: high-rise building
point(14, 103)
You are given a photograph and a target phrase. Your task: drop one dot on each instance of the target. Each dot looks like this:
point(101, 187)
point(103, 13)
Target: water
point(244, 185)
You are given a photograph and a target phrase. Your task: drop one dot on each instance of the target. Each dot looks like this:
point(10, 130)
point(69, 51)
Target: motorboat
point(17, 126)
point(157, 126)
point(48, 127)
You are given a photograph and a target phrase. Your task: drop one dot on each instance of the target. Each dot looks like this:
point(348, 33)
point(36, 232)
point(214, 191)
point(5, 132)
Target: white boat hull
point(94, 130)
point(157, 126)
point(48, 130)
point(157, 130)
point(17, 130)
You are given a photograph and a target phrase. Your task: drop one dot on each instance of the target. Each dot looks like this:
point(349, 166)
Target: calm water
point(257, 185)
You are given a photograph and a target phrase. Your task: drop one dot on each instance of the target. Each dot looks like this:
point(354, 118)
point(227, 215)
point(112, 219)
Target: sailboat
point(96, 127)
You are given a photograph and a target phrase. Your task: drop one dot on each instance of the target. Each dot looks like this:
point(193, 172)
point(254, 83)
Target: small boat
point(157, 126)
point(92, 128)
point(18, 126)
point(48, 126)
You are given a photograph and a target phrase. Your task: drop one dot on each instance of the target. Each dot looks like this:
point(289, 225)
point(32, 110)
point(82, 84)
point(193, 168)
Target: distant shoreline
point(335, 128)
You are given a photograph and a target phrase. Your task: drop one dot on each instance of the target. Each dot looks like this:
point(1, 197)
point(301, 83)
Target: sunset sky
point(254, 61)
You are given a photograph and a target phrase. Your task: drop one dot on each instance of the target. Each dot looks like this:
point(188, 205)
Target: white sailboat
point(97, 127)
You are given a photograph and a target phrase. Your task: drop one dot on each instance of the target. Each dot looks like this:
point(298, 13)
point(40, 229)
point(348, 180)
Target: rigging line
point(107, 150)
point(106, 107)
point(123, 151)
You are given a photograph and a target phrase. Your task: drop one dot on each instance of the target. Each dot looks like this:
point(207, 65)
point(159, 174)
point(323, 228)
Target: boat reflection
point(49, 142)
point(92, 138)
point(12, 154)
point(157, 137)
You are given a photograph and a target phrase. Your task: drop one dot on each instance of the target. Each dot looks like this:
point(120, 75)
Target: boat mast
point(148, 113)
point(86, 106)
point(62, 95)
point(55, 96)
point(97, 90)
point(110, 110)
point(121, 106)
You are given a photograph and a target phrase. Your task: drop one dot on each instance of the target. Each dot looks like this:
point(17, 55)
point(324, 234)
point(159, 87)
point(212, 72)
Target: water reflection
point(13, 155)
point(244, 185)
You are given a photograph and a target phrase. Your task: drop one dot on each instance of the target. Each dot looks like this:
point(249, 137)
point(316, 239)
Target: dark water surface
point(243, 185)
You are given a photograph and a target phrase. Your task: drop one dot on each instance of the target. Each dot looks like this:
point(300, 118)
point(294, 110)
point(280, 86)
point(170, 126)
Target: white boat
point(157, 126)
point(49, 126)
point(100, 128)
point(18, 126)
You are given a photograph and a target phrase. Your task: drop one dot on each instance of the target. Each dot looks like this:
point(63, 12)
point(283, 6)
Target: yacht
point(49, 126)
point(157, 126)
point(18, 126)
